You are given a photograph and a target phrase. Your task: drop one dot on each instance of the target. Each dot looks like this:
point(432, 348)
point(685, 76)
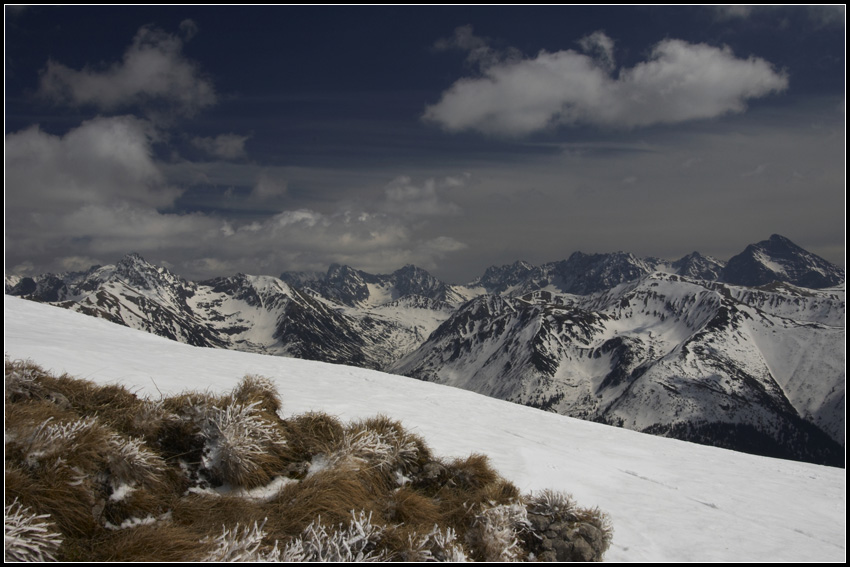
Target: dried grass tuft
point(357, 540)
point(70, 503)
point(207, 513)
point(260, 390)
point(330, 494)
point(385, 444)
point(313, 433)
point(22, 381)
point(495, 533)
point(241, 447)
point(129, 479)
point(413, 509)
point(158, 541)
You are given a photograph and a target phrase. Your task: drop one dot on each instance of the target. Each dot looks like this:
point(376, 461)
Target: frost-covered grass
point(97, 473)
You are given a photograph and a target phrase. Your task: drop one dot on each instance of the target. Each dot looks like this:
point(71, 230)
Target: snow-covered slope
point(669, 500)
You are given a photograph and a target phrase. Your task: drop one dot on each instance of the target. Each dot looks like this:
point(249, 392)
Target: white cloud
point(224, 146)
point(153, 69)
point(600, 47)
point(679, 82)
point(103, 159)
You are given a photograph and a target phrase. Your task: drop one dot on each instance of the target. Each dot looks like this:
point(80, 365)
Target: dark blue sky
point(264, 139)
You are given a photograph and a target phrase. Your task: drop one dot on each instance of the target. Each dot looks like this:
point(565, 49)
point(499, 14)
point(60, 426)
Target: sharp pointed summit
point(779, 259)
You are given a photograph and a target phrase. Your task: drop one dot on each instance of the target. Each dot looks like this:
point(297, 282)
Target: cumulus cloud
point(224, 146)
point(101, 160)
point(679, 82)
point(152, 71)
point(600, 47)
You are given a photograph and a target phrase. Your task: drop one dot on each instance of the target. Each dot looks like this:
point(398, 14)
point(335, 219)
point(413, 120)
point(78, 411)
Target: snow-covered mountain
point(356, 288)
point(695, 265)
point(663, 347)
point(669, 501)
point(686, 358)
point(259, 314)
point(779, 259)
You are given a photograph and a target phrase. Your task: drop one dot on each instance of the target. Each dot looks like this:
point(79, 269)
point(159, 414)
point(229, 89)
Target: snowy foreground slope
point(669, 500)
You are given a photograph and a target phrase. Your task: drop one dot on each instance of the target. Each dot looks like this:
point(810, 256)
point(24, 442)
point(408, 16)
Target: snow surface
point(669, 500)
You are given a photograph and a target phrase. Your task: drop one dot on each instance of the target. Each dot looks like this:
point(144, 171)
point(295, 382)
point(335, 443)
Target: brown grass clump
point(207, 513)
point(116, 477)
point(405, 452)
point(313, 433)
point(22, 381)
point(330, 494)
point(472, 473)
point(237, 439)
point(133, 505)
point(69, 504)
point(412, 509)
point(260, 390)
point(114, 405)
point(159, 541)
point(242, 446)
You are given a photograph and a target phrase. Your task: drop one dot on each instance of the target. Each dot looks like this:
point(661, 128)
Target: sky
point(221, 139)
point(669, 501)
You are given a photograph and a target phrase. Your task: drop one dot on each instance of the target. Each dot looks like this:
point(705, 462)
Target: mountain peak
point(697, 265)
point(133, 258)
point(779, 259)
point(143, 274)
point(780, 238)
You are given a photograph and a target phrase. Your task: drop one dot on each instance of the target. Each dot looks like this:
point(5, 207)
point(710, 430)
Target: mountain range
point(746, 354)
